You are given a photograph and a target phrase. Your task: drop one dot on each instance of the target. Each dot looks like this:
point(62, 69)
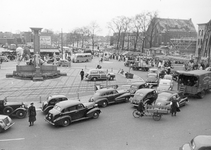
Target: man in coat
point(32, 114)
point(82, 74)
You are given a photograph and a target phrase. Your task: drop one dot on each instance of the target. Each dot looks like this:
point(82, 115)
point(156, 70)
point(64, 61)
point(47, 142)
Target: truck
point(194, 83)
point(140, 66)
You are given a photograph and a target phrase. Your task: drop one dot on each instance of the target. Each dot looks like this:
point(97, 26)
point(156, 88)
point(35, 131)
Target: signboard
point(45, 40)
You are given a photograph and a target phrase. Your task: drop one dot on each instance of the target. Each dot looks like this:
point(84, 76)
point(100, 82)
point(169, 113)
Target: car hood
point(14, 103)
point(137, 98)
point(161, 103)
point(89, 104)
point(152, 79)
point(54, 112)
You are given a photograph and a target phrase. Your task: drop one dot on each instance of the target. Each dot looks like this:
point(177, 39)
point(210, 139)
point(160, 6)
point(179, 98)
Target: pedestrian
point(82, 74)
point(32, 114)
point(69, 61)
point(174, 106)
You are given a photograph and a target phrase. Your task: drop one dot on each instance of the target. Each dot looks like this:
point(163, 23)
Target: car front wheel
point(65, 122)
point(104, 104)
point(1, 129)
point(21, 114)
point(8, 110)
point(96, 115)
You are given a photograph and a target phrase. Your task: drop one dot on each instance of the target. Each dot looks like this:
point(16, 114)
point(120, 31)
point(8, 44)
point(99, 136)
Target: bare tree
point(93, 29)
point(116, 26)
point(125, 21)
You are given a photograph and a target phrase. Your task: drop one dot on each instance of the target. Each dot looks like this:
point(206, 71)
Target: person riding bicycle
point(141, 108)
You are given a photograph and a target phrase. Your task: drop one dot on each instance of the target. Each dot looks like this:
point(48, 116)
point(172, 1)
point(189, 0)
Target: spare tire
point(8, 110)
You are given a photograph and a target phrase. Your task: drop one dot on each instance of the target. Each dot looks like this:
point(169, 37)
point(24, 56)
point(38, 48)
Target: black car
point(66, 112)
point(17, 109)
point(138, 85)
point(51, 101)
point(145, 95)
point(103, 97)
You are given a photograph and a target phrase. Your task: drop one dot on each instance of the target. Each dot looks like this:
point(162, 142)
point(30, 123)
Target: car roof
point(153, 69)
point(56, 96)
point(96, 70)
point(138, 83)
point(171, 92)
point(69, 103)
point(145, 90)
point(165, 80)
point(105, 90)
point(202, 140)
point(194, 72)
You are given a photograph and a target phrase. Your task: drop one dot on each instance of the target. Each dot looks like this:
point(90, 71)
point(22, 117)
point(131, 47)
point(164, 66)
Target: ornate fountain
point(36, 71)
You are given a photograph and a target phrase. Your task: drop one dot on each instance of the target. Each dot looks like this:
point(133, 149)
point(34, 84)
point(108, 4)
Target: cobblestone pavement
point(70, 85)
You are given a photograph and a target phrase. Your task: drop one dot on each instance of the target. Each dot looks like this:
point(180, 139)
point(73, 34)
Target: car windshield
point(168, 77)
point(57, 107)
point(151, 78)
point(152, 71)
point(162, 97)
point(123, 87)
point(138, 93)
point(134, 87)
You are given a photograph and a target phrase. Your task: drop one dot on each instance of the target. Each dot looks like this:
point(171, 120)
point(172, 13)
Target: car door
point(102, 74)
point(110, 96)
point(81, 111)
point(70, 111)
point(117, 96)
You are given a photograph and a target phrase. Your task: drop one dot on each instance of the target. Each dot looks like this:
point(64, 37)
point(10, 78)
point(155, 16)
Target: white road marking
point(17, 139)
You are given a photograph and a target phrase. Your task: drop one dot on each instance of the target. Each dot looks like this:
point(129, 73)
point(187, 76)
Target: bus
point(81, 57)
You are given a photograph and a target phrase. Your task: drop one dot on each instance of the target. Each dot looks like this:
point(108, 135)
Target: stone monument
point(36, 71)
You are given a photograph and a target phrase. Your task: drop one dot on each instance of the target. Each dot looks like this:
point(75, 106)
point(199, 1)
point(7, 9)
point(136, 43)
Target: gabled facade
point(161, 31)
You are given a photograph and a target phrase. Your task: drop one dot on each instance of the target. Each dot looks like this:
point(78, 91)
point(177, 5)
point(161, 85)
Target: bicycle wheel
point(136, 114)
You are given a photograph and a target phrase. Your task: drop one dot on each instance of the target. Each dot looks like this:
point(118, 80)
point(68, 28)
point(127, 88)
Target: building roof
point(175, 25)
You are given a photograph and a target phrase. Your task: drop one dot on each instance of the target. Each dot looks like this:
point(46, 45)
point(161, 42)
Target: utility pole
point(62, 44)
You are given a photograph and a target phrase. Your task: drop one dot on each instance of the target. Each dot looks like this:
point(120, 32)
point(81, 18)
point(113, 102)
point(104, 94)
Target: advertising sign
point(45, 40)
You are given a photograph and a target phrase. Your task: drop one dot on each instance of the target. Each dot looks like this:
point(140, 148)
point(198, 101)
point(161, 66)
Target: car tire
point(201, 94)
point(66, 122)
point(104, 104)
point(1, 129)
point(21, 114)
point(96, 115)
point(127, 99)
point(8, 110)
point(94, 79)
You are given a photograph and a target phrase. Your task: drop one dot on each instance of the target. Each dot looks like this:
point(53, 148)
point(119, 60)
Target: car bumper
point(8, 126)
point(50, 122)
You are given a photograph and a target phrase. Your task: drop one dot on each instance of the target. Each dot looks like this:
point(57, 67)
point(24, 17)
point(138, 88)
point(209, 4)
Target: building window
point(201, 32)
point(198, 41)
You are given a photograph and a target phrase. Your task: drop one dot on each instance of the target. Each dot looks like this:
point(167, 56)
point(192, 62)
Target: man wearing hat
point(32, 114)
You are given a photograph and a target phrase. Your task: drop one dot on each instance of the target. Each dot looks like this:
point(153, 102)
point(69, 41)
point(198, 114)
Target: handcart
point(155, 112)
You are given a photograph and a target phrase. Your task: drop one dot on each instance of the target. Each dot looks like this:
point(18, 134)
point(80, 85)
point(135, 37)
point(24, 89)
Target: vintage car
point(63, 63)
point(103, 97)
point(5, 122)
point(164, 98)
point(153, 71)
point(66, 112)
point(200, 142)
point(128, 62)
point(165, 85)
point(138, 85)
point(152, 79)
point(99, 74)
point(17, 109)
point(51, 101)
point(168, 77)
point(145, 95)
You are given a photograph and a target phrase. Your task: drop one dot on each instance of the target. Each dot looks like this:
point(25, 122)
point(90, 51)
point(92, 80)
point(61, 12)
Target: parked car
point(63, 63)
point(128, 62)
point(51, 101)
point(165, 85)
point(164, 98)
point(152, 79)
point(168, 77)
point(138, 85)
point(145, 95)
point(99, 74)
point(103, 97)
point(66, 112)
point(153, 71)
point(200, 142)
point(17, 109)
point(5, 122)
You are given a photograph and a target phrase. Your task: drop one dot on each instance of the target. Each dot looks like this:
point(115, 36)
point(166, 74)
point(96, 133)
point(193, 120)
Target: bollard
point(40, 100)
point(78, 96)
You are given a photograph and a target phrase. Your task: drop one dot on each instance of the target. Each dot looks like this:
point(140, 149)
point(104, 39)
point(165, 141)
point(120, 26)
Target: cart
point(155, 112)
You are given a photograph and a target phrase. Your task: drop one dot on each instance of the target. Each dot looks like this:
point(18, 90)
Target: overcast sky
point(20, 15)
